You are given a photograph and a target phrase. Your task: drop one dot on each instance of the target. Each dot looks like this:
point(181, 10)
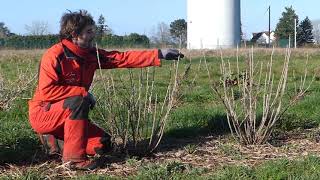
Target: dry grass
point(215, 152)
point(20, 53)
point(233, 52)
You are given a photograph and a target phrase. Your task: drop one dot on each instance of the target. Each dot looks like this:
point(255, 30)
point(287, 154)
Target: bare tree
point(316, 31)
point(37, 28)
point(4, 31)
point(178, 31)
point(161, 35)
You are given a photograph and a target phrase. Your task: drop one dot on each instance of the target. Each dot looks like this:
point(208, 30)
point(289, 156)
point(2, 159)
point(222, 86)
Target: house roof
point(256, 36)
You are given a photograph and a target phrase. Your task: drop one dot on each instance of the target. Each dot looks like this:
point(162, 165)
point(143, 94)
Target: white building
point(213, 24)
point(262, 38)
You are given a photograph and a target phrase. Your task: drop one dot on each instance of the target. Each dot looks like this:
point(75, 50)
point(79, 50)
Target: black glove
point(91, 99)
point(170, 54)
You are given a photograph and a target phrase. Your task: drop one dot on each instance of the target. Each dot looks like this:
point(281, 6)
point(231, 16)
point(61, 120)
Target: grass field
point(196, 143)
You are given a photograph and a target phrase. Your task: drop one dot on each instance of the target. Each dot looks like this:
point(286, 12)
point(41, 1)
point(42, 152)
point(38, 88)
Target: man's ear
point(74, 34)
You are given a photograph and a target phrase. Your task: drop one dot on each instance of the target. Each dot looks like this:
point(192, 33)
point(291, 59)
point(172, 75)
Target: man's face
point(85, 38)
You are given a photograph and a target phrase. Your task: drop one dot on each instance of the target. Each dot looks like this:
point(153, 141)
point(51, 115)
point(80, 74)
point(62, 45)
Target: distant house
point(262, 38)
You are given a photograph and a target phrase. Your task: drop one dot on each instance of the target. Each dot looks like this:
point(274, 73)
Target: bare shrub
point(11, 90)
point(255, 87)
point(136, 110)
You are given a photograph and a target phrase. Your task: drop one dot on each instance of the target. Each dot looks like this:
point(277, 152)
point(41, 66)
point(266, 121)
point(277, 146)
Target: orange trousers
point(68, 120)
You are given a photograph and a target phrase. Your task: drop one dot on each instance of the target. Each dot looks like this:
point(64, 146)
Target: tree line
point(39, 37)
point(163, 35)
point(45, 41)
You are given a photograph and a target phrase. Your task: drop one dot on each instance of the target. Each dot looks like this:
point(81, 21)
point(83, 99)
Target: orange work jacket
point(67, 70)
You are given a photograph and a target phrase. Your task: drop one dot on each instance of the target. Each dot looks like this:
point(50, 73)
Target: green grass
point(305, 168)
point(192, 120)
point(18, 142)
point(198, 113)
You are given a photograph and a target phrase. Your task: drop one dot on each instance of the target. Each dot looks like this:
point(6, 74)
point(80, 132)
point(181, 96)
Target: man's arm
point(129, 59)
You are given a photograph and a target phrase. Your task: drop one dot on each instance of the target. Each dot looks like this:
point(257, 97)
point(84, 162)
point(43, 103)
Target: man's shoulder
point(55, 50)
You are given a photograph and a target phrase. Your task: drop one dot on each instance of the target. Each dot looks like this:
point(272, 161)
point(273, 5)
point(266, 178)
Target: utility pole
point(269, 44)
point(289, 45)
point(295, 33)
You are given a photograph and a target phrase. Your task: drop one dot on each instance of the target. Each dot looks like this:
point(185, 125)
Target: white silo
point(213, 24)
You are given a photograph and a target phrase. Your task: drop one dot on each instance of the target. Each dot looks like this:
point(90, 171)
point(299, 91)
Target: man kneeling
point(59, 109)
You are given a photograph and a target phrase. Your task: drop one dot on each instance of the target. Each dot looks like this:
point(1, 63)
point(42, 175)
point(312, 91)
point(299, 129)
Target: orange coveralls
point(60, 107)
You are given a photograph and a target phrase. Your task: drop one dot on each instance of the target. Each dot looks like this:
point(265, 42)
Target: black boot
point(51, 145)
point(107, 145)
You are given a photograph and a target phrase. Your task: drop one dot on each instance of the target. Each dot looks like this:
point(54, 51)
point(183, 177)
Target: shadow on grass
point(178, 138)
point(24, 151)
point(28, 151)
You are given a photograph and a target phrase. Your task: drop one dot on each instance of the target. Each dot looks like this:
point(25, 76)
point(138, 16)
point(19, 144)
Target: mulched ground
point(205, 152)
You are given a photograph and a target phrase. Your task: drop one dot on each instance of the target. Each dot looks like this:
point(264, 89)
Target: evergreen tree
point(304, 35)
point(285, 26)
point(102, 28)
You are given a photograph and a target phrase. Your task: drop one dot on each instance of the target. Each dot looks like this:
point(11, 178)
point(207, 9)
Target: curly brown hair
point(74, 22)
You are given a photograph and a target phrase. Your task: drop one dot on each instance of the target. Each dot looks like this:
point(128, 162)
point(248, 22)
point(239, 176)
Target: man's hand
point(170, 54)
point(92, 100)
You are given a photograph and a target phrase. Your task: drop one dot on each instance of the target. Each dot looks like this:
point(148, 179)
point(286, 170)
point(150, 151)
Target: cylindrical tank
point(213, 24)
